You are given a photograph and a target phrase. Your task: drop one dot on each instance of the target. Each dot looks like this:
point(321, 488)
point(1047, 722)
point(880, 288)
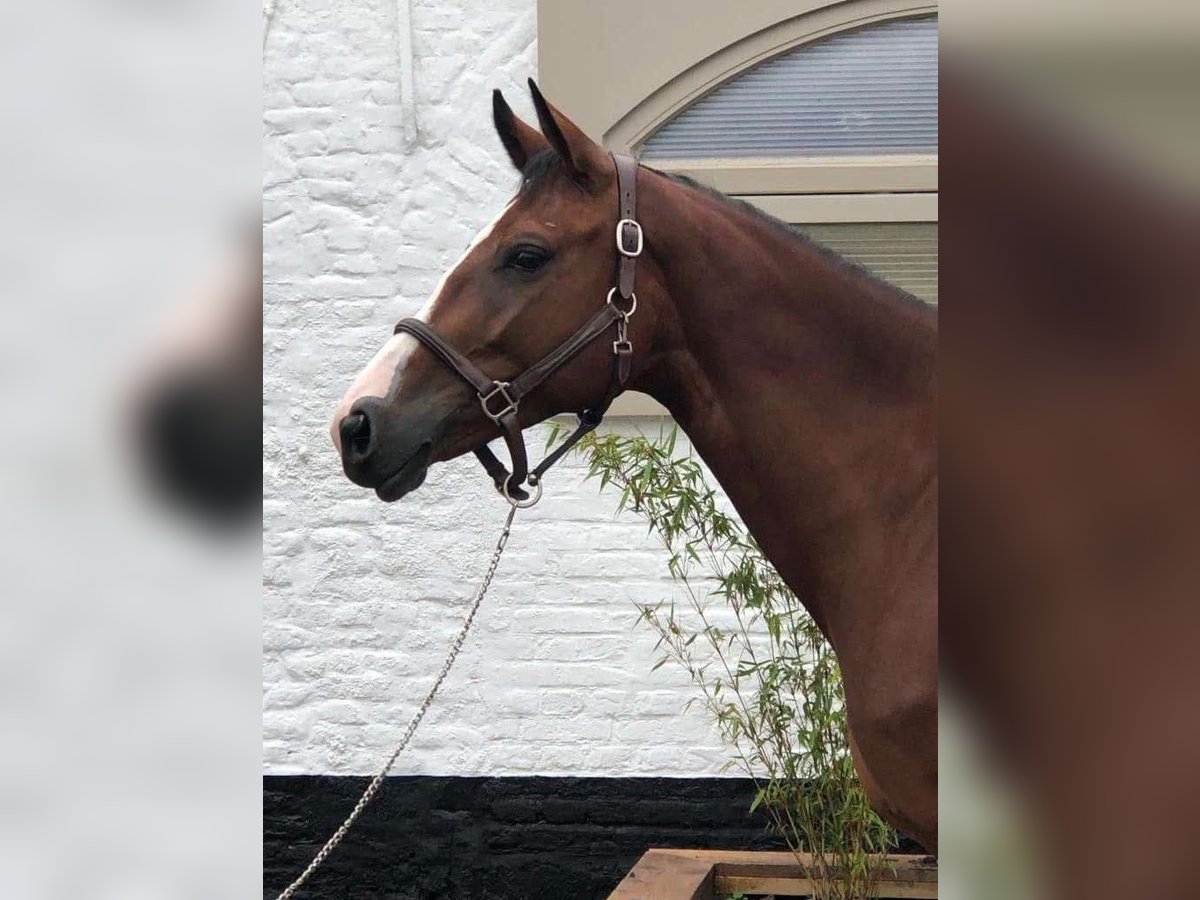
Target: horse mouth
point(409, 477)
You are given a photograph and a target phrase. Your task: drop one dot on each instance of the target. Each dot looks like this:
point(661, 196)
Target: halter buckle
point(623, 347)
point(637, 250)
point(510, 405)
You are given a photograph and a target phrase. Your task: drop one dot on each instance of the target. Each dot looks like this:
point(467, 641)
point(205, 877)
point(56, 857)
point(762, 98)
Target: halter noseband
point(501, 399)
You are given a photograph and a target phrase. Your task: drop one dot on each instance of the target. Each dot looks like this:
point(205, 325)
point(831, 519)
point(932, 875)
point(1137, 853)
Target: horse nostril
point(355, 430)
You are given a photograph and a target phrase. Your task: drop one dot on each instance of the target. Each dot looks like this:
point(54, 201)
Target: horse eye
point(525, 259)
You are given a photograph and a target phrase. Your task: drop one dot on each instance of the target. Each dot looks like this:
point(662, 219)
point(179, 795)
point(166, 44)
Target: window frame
point(811, 174)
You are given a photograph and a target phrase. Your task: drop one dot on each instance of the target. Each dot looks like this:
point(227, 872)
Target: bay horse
point(808, 386)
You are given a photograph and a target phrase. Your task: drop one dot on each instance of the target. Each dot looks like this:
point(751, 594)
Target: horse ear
point(587, 159)
point(520, 140)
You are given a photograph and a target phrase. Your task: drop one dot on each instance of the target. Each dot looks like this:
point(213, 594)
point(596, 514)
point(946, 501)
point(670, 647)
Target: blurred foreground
point(129, 623)
point(1070, 540)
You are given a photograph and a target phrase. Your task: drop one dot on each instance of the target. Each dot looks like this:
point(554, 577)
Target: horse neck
point(808, 388)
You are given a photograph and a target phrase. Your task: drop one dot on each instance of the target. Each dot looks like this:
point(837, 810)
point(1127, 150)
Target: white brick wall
point(362, 599)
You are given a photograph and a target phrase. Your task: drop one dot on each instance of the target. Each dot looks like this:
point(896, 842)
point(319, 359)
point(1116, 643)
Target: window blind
point(870, 91)
point(904, 253)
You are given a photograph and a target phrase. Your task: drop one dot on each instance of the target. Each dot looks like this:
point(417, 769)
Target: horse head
point(527, 282)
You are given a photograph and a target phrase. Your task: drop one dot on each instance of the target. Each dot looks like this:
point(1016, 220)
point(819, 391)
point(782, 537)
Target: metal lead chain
point(377, 781)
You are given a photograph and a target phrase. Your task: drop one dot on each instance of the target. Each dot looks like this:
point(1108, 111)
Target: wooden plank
point(669, 874)
point(663, 876)
point(788, 887)
point(783, 863)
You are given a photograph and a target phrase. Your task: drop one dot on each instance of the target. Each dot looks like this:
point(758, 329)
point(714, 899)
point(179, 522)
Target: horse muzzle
point(380, 450)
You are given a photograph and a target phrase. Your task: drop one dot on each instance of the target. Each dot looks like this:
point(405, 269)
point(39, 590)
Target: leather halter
point(500, 400)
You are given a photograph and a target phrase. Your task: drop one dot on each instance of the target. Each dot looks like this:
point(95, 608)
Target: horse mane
point(545, 162)
point(791, 231)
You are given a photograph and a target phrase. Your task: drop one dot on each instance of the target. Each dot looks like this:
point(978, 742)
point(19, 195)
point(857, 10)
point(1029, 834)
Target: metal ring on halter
point(523, 504)
point(632, 297)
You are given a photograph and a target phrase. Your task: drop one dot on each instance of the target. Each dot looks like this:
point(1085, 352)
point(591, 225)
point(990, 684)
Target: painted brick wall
point(362, 599)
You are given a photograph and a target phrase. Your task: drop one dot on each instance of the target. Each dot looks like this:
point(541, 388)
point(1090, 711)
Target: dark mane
point(790, 230)
point(545, 162)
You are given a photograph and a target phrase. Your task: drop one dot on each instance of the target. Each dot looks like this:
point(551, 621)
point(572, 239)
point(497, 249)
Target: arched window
point(866, 92)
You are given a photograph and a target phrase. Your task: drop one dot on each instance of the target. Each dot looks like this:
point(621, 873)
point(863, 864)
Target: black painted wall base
point(495, 838)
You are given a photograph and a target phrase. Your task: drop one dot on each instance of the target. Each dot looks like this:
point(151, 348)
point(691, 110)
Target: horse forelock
point(539, 166)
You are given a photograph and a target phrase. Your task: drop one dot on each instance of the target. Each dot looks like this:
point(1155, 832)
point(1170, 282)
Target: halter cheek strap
point(501, 400)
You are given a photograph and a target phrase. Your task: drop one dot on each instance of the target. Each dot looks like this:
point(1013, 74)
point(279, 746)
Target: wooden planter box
point(713, 874)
